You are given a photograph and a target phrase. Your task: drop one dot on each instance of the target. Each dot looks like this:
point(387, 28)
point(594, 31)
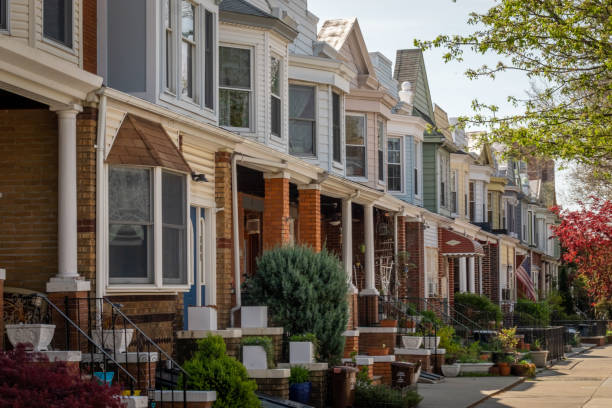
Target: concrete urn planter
point(201, 318)
point(301, 352)
point(412, 342)
point(254, 358)
point(475, 367)
point(539, 358)
point(451, 370)
point(117, 340)
point(254, 316)
point(36, 337)
point(430, 342)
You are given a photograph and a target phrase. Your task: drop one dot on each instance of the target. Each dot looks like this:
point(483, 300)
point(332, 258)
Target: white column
point(368, 218)
point(471, 275)
point(462, 274)
point(67, 271)
point(480, 292)
point(347, 241)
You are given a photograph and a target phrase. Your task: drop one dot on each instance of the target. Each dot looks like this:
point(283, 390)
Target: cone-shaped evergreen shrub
point(305, 292)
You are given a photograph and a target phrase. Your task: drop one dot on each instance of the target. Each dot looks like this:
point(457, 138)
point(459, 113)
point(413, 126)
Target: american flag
point(523, 273)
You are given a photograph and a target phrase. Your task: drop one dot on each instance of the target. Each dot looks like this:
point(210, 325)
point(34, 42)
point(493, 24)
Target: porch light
point(199, 178)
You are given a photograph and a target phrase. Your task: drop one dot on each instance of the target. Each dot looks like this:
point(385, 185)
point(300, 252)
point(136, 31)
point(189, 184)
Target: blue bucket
point(300, 392)
point(104, 377)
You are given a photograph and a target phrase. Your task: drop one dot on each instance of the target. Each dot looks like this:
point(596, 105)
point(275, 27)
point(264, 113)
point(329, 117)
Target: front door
point(191, 298)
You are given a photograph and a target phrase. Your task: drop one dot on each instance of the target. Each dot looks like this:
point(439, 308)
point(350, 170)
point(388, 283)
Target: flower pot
point(430, 342)
point(254, 316)
point(300, 392)
point(520, 370)
point(301, 352)
point(117, 339)
point(378, 351)
point(254, 358)
point(485, 357)
point(451, 370)
point(539, 358)
point(475, 367)
point(388, 323)
point(412, 342)
point(35, 337)
point(504, 370)
point(201, 318)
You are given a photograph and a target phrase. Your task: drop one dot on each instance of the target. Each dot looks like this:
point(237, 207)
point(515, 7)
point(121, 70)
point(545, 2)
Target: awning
point(457, 245)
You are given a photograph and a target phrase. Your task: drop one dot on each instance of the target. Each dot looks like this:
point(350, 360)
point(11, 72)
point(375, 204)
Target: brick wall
point(278, 387)
point(415, 286)
point(351, 344)
point(276, 212)
point(1, 314)
point(28, 207)
point(309, 211)
point(90, 36)
point(223, 201)
point(490, 272)
point(368, 341)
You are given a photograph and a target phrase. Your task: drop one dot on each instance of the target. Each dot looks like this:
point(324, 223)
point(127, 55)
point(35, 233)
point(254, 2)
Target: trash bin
point(343, 386)
point(404, 374)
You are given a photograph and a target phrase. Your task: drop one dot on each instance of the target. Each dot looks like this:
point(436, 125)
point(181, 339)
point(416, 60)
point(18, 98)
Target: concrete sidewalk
point(462, 392)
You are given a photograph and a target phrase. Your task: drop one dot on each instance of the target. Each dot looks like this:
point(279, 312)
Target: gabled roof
point(140, 141)
point(243, 12)
point(410, 66)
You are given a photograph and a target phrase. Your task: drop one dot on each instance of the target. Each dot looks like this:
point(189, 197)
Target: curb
point(520, 380)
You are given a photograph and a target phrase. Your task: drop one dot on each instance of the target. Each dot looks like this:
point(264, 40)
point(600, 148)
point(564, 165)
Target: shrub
point(477, 308)
point(265, 342)
point(382, 396)
point(211, 369)
point(363, 376)
point(299, 375)
point(28, 380)
point(305, 293)
point(533, 313)
point(508, 339)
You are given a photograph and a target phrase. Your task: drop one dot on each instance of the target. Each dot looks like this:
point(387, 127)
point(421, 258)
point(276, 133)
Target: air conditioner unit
point(432, 289)
point(252, 226)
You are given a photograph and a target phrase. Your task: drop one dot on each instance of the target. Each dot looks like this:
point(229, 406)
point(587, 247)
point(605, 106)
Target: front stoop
point(318, 376)
point(273, 381)
point(186, 343)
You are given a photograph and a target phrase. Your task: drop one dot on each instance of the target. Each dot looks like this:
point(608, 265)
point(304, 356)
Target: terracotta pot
point(502, 364)
point(484, 357)
point(378, 351)
point(388, 323)
point(504, 370)
point(526, 346)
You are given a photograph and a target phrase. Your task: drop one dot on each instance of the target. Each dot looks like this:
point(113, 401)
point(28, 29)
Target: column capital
point(280, 174)
point(309, 187)
point(66, 110)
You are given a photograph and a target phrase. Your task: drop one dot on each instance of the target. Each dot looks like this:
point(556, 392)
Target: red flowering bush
point(28, 380)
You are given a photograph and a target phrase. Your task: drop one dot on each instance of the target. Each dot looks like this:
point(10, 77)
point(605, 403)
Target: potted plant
point(34, 336)
point(431, 342)
point(450, 368)
point(257, 352)
point(299, 386)
point(508, 339)
point(412, 340)
point(112, 336)
point(254, 316)
point(538, 355)
point(388, 323)
point(504, 364)
point(523, 369)
point(302, 348)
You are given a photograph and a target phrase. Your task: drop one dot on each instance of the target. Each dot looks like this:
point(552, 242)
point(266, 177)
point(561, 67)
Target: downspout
point(100, 196)
point(236, 244)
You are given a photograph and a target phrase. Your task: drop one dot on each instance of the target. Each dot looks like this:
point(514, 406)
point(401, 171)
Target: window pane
point(275, 67)
point(355, 130)
point(208, 60)
point(336, 127)
point(129, 195)
point(3, 14)
point(355, 161)
point(129, 252)
point(187, 20)
point(57, 21)
point(275, 115)
point(166, 13)
point(174, 255)
point(301, 140)
point(173, 198)
point(234, 108)
point(381, 164)
point(187, 61)
point(301, 102)
point(234, 67)
point(394, 177)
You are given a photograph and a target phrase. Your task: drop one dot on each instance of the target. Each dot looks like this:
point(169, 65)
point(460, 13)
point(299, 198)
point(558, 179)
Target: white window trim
point(157, 285)
point(455, 189)
point(7, 30)
point(51, 41)
point(335, 163)
point(384, 152)
point(251, 90)
point(315, 142)
point(401, 164)
point(365, 145)
point(418, 166)
point(281, 74)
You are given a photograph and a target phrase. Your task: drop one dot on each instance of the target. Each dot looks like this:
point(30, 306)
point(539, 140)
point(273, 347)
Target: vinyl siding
point(430, 177)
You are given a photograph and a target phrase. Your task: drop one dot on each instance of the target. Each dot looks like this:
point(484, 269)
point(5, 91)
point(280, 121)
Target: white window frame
point(443, 179)
point(251, 89)
point(122, 284)
point(418, 167)
point(381, 140)
point(365, 144)
point(340, 127)
point(315, 120)
point(7, 11)
point(52, 41)
point(400, 164)
point(279, 96)
point(454, 185)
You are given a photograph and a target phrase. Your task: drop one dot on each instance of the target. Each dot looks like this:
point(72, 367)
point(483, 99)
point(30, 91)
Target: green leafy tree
point(565, 46)
point(305, 293)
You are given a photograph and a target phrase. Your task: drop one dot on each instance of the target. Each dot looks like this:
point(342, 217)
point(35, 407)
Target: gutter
point(100, 202)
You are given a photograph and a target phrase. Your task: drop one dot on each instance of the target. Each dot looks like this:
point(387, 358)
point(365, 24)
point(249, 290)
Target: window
point(188, 49)
point(209, 49)
point(453, 186)
point(132, 225)
point(336, 127)
point(235, 87)
point(443, 181)
point(381, 152)
point(57, 21)
point(168, 26)
point(472, 206)
point(355, 146)
point(490, 207)
point(417, 166)
point(275, 96)
point(3, 14)
point(394, 164)
point(302, 122)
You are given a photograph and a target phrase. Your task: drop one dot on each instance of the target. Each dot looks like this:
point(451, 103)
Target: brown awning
point(143, 142)
point(457, 245)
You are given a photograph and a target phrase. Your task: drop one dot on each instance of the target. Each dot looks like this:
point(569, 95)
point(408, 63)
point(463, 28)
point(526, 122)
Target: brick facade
point(415, 286)
point(309, 210)
point(370, 341)
point(277, 387)
point(223, 201)
point(351, 344)
point(90, 36)
point(490, 272)
point(1, 313)
point(276, 213)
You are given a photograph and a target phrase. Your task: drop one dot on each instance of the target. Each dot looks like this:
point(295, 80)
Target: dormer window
point(57, 21)
point(235, 87)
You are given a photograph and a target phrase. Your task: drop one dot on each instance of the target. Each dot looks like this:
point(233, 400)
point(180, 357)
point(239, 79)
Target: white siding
point(57, 50)
point(430, 235)
point(306, 24)
point(19, 14)
point(201, 160)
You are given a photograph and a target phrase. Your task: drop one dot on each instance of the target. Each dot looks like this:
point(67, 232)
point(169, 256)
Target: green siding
point(446, 210)
point(422, 96)
point(430, 185)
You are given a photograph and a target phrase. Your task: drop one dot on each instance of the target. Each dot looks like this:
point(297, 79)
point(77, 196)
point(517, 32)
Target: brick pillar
point(74, 304)
point(401, 249)
point(416, 250)
point(309, 211)
point(223, 201)
point(276, 210)
point(2, 279)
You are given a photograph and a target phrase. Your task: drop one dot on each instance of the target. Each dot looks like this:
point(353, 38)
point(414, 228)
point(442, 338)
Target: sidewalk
point(462, 392)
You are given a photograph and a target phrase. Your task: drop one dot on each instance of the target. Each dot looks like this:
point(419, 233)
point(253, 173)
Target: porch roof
point(457, 245)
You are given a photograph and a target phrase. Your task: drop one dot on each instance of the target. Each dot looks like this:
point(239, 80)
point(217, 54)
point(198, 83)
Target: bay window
point(138, 230)
point(235, 87)
point(302, 121)
point(57, 21)
point(381, 154)
point(337, 153)
point(355, 146)
point(394, 164)
point(275, 97)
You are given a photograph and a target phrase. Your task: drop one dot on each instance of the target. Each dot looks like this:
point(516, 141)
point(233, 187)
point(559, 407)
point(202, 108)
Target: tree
point(586, 236)
point(590, 180)
point(305, 293)
point(564, 45)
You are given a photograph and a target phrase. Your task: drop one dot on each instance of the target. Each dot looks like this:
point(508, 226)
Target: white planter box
point(451, 370)
point(301, 352)
point(415, 319)
point(254, 316)
point(430, 342)
point(201, 318)
point(412, 342)
point(539, 358)
point(254, 358)
point(36, 337)
point(117, 340)
point(475, 367)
